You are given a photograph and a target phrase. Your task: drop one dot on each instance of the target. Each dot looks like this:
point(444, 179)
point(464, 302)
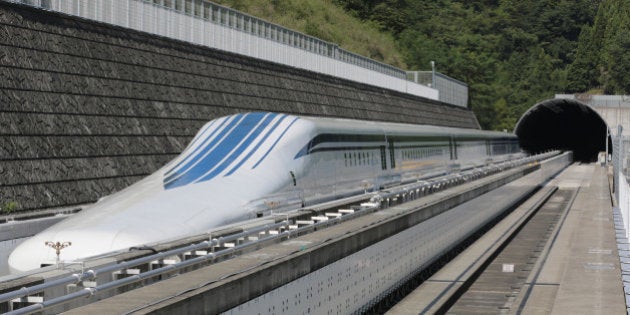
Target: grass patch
point(324, 20)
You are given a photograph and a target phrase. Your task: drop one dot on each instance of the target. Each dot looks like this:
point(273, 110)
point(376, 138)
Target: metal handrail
point(139, 277)
point(91, 274)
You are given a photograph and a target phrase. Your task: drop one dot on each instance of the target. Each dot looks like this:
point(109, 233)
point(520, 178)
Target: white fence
point(621, 163)
point(451, 91)
point(621, 214)
point(208, 24)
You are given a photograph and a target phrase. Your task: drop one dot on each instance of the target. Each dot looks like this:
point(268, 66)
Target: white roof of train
point(359, 126)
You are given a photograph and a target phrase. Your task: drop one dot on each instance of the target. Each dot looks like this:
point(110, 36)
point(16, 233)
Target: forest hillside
point(511, 53)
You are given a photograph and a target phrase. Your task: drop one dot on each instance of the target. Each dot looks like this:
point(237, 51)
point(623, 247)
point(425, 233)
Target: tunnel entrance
point(563, 124)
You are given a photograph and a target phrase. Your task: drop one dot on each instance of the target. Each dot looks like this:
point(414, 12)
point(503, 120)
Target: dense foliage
point(512, 53)
point(602, 59)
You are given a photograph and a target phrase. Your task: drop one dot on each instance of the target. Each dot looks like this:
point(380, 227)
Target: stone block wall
point(88, 108)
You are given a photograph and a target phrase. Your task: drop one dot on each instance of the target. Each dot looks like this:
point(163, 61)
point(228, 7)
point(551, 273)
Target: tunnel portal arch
point(563, 124)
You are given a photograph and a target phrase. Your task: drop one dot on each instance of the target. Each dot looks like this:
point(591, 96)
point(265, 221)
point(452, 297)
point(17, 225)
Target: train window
point(383, 158)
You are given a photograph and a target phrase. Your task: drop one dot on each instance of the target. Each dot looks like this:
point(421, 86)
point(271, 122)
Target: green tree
point(619, 64)
point(583, 73)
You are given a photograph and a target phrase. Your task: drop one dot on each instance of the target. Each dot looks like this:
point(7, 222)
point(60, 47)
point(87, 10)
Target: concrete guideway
point(219, 287)
point(575, 271)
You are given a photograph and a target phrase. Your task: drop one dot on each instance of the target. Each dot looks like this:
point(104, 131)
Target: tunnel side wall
point(88, 108)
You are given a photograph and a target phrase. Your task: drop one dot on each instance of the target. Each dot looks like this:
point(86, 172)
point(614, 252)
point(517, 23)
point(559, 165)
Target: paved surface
point(574, 269)
point(582, 272)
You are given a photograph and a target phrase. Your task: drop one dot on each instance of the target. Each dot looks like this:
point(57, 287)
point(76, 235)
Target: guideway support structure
point(347, 267)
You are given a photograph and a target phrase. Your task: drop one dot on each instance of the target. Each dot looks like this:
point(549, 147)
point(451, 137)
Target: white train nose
point(35, 253)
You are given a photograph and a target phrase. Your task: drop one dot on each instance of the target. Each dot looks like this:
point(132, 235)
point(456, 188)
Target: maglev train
point(245, 165)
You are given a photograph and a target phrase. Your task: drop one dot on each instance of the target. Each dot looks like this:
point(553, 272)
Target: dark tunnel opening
point(563, 124)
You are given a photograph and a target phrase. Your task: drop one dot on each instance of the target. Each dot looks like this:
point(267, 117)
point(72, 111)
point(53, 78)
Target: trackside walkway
point(576, 271)
point(581, 274)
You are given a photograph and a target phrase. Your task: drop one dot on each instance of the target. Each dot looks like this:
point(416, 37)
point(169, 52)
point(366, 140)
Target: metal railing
point(452, 91)
point(212, 25)
point(621, 213)
point(92, 274)
point(621, 173)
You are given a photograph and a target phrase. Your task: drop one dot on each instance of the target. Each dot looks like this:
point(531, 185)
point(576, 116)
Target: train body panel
point(240, 166)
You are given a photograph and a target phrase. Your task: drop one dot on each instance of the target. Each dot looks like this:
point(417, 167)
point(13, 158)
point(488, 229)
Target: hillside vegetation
point(324, 20)
point(512, 53)
point(603, 57)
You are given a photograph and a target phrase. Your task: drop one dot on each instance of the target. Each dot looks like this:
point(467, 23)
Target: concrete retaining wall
point(88, 108)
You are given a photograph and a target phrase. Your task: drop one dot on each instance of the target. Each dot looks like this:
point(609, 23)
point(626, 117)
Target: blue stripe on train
point(276, 142)
point(170, 173)
point(251, 152)
point(239, 150)
point(214, 154)
point(209, 145)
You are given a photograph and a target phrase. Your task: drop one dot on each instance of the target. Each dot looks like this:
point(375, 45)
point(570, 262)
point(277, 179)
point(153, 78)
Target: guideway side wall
point(88, 108)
